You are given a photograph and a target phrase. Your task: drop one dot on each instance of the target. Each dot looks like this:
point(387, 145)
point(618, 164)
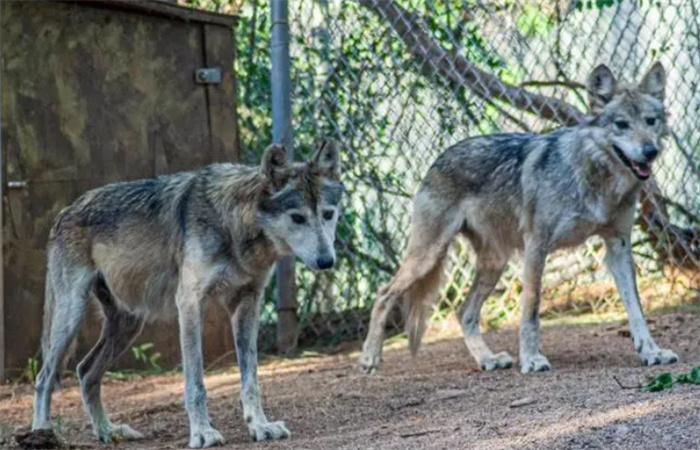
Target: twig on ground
point(622, 386)
point(214, 363)
point(522, 402)
point(424, 432)
point(408, 404)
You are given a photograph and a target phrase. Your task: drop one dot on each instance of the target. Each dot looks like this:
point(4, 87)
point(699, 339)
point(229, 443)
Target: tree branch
point(456, 68)
point(563, 83)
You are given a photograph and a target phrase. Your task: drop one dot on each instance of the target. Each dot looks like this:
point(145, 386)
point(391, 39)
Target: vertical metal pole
point(2, 206)
point(282, 133)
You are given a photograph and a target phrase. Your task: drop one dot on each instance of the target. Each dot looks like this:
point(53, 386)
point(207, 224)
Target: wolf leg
point(190, 299)
point(620, 263)
point(245, 320)
point(118, 332)
point(488, 272)
point(531, 359)
point(70, 290)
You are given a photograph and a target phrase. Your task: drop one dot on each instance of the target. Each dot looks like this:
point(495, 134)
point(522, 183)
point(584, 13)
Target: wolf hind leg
point(434, 225)
point(119, 330)
point(489, 269)
point(67, 293)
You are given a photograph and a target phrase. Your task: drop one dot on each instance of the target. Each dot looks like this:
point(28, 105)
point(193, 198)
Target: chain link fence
point(398, 81)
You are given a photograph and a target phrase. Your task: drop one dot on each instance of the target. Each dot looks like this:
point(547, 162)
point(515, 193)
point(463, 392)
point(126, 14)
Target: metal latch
point(16, 184)
point(208, 75)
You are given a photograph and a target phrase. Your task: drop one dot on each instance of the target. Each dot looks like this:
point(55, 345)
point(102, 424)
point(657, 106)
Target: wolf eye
point(651, 121)
point(328, 214)
point(298, 219)
point(622, 124)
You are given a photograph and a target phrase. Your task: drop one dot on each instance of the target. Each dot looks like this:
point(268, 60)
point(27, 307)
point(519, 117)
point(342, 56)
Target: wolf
point(532, 193)
point(169, 245)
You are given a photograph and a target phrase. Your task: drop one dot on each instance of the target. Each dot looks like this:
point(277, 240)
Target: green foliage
point(692, 377)
point(603, 4)
point(145, 357)
point(666, 381)
point(31, 370)
point(141, 354)
point(659, 383)
point(534, 21)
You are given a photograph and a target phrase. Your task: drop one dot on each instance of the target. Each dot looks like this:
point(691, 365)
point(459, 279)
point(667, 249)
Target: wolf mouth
point(640, 170)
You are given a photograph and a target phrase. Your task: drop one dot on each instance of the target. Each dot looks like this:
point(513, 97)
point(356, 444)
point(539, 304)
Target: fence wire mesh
point(398, 81)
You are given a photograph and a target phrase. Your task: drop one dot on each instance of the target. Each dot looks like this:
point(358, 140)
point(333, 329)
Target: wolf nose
point(325, 262)
point(650, 152)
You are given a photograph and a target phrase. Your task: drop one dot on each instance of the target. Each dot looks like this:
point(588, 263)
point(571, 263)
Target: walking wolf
point(535, 193)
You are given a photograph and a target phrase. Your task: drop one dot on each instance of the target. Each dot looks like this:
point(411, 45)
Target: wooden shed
point(95, 92)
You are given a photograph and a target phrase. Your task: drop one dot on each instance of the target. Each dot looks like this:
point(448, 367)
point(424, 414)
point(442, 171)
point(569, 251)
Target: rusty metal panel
point(221, 97)
point(98, 95)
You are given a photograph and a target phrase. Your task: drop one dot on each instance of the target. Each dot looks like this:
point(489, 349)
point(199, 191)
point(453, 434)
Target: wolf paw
point(205, 437)
point(268, 431)
point(369, 363)
point(534, 363)
point(500, 360)
point(658, 356)
point(115, 432)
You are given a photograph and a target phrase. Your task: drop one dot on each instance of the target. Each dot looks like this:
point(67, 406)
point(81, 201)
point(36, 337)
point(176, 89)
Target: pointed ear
point(601, 88)
point(275, 165)
point(654, 82)
point(327, 159)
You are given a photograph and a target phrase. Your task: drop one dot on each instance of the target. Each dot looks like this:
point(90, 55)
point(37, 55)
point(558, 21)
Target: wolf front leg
point(531, 359)
point(245, 321)
point(189, 298)
point(620, 263)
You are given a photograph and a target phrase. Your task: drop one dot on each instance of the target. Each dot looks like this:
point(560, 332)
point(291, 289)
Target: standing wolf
point(150, 247)
point(534, 193)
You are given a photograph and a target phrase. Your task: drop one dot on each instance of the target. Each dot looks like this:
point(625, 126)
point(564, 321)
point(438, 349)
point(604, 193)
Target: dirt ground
point(438, 400)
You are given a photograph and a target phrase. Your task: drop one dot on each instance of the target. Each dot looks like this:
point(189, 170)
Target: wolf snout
point(650, 152)
point(325, 262)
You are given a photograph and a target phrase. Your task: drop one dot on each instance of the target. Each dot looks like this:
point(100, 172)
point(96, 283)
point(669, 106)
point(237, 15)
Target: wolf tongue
point(642, 170)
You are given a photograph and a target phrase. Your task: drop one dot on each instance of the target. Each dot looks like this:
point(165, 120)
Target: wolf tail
point(418, 281)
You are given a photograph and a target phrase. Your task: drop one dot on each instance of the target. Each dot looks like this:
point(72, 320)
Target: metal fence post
point(282, 133)
point(2, 223)
point(2, 205)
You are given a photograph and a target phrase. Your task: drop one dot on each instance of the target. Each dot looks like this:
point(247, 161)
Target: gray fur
point(168, 245)
point(532, 193)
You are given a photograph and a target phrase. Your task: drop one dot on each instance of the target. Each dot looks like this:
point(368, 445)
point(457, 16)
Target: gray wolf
point(169, 245)
point(533, 193)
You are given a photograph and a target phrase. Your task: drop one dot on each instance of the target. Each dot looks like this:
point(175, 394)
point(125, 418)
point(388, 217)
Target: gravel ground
point(438, 400)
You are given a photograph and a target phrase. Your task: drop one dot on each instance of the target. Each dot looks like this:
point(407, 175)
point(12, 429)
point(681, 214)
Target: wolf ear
point(601, 88)
point(275, 165)
point(327, 160)
point(654, 82)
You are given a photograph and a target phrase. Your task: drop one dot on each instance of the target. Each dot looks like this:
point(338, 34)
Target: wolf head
point(632, 118)
point(299, 211)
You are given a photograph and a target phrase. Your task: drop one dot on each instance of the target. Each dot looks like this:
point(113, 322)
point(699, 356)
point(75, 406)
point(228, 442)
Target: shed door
point(95, 96)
